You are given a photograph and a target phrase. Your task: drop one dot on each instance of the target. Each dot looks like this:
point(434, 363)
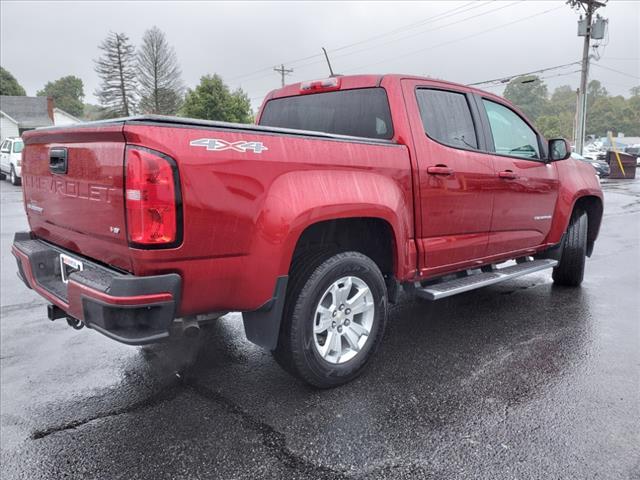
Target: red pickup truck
point(308, 222)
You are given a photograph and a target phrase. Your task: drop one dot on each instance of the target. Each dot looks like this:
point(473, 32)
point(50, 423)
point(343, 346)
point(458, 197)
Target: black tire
point(570, 269)
point(2, 176)
point(309, 279)
point(13, 178)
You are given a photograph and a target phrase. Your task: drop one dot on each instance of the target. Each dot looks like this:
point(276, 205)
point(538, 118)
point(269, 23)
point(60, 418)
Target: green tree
point(529, 93)
point(631, 116)
point(94, 112)
point(212, 100)
point(635, 91)
point(117, 71)
point(67, 93)
point(607, 114)
point(9, 85)
point(558, 117)
point(161, 88)
point(563, 99)
point(556, 126)
point(595, 90)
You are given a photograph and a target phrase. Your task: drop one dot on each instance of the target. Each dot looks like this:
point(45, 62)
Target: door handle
point(440, 170)
point(508, 175)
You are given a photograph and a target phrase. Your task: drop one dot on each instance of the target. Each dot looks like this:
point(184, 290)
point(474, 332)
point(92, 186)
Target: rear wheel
point(13, 178)
point(570, 269)
point(334, 318)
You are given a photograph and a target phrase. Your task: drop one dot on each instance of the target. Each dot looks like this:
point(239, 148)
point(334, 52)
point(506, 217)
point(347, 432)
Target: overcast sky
point(460, 41)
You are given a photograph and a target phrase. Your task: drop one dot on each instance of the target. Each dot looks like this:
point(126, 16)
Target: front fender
point(577, 180)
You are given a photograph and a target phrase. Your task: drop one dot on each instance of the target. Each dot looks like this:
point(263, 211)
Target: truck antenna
point(328, 62)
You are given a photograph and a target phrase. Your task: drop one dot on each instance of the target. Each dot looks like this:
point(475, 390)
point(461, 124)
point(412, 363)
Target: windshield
point(18, 146)
point(361, 112)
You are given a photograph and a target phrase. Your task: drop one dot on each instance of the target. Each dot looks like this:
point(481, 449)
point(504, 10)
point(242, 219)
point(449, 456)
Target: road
point(521, 380)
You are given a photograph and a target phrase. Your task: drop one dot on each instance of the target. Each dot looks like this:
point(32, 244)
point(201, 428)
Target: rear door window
point(17, 146)
point(446, 118)
point(360, 113)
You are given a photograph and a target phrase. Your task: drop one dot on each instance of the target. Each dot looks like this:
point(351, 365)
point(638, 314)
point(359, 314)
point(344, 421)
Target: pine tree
point(117, 71)
point(161, 88)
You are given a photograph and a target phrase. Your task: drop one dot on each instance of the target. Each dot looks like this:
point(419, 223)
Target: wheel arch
point(593, 207)
point(372, 236)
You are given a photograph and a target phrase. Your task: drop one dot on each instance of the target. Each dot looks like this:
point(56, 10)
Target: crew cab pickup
point(309, 222)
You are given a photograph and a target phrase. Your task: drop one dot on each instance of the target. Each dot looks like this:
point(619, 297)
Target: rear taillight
point(152, 198)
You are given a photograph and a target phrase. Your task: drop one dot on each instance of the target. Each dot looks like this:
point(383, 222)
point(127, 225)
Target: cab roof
point(347, 82)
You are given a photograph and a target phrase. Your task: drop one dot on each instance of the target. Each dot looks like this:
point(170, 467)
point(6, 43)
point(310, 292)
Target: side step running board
point(471, 282)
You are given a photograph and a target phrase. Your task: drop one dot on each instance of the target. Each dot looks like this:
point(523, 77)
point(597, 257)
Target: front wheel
point(334, 318)
point(570, 269)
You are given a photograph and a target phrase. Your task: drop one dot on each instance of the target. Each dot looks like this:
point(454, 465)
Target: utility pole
point(589, 6)
point(283, 72)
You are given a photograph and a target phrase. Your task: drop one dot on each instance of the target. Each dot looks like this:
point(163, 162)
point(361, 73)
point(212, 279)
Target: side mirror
point(559, 149)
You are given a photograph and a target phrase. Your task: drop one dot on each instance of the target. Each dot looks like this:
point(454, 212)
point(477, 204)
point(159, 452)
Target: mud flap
point(262, 326)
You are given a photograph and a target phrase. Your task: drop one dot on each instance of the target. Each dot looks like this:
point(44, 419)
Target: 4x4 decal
point(217, 145)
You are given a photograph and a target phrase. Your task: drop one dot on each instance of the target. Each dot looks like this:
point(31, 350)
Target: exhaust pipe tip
point(190, 327)
point(75, 323)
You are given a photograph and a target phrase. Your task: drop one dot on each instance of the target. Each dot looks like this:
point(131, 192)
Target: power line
point(316, 62)
point(459, 39)
point(540, 78)
point(417, 24)
point(440, 16)
point(617, 71)
point(431, 29)
point(418, 33)
point(509, 77)
point(453, 41)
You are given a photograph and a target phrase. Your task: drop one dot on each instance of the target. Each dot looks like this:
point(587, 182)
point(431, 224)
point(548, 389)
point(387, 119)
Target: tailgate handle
point(58, 160)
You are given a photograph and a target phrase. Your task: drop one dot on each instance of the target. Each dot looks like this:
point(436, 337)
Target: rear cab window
point(18, 145)
point(362, 112)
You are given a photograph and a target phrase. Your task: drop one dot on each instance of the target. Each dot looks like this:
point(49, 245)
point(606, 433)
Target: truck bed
point(237, 207)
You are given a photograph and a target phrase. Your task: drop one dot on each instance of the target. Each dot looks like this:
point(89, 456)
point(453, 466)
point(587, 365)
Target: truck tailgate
point(73, 182)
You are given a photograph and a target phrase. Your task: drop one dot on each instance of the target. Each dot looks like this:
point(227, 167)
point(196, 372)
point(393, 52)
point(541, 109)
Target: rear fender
point(299, 199)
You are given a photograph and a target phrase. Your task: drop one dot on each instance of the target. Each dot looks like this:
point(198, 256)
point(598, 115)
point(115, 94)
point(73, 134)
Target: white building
point(19, 114)
point(62, 118)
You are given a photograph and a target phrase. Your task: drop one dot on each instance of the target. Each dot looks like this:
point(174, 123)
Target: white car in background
point(594, 151)
point(11, 159)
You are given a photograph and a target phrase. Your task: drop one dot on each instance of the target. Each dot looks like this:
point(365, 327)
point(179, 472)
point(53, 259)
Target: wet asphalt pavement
point(520, 380)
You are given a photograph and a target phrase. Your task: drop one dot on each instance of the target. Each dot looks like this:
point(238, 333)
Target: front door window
point(511, 135)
